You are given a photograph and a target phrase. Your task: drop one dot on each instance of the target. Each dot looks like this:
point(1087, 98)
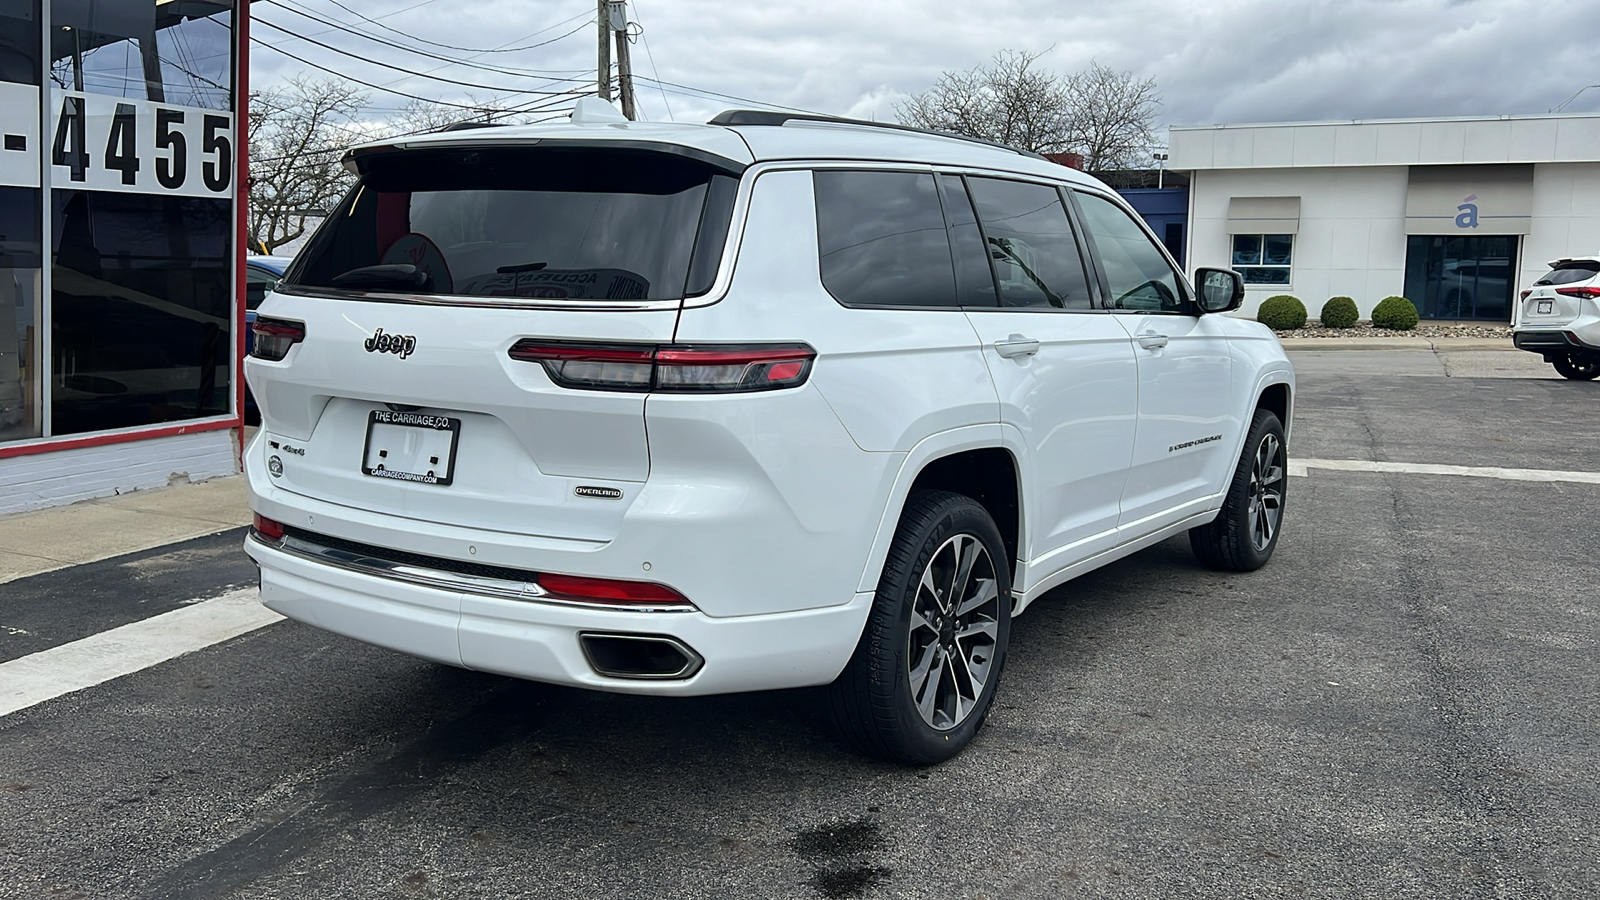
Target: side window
point(881, 238)
point(1029, 237)
point(256, 284)
point(974, 279)
point(1138, 275)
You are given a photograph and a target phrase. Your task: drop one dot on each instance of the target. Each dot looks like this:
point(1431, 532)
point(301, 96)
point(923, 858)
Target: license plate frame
point(391, 426)
point(1544, 307)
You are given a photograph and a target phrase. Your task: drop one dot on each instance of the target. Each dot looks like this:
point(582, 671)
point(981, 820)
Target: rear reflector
point(274, 337)
point(271, 529)
point(673, 368)
point(1587, 293)
point(608, 590)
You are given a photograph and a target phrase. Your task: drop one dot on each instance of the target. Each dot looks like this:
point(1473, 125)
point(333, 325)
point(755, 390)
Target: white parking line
point(1301, 467)
point(99, 658)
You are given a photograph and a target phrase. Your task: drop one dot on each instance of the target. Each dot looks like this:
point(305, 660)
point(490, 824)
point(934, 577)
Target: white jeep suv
point(1559, 317)
point(769, 402)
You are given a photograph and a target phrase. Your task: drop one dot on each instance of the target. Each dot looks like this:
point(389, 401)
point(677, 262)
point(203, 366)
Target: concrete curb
point(1441, 345)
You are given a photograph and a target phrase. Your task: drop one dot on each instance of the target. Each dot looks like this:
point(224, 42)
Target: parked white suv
point(1559, 317)
point(770, 402)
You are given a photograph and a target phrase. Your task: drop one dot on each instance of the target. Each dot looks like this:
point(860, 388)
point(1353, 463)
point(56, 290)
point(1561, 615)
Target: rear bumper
point(1554, 341)
point(539, 641)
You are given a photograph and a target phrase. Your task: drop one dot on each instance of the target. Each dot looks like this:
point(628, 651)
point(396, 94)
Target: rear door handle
point(1016, 345)
point(1152, 341)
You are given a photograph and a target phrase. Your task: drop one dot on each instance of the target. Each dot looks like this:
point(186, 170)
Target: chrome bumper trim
point(440, 579)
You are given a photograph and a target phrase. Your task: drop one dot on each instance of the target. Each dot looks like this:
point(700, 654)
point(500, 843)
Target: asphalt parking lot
point(1402, 704)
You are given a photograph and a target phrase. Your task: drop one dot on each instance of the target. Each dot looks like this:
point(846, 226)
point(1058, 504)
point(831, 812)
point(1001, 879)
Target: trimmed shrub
point(1395, 313)
point(1339, 312)
point(1282, 313)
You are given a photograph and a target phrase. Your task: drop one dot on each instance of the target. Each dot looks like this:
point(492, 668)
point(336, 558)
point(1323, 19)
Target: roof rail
point(771, 117)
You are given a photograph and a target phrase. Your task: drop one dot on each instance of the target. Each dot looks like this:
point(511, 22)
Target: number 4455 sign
point(115, 144)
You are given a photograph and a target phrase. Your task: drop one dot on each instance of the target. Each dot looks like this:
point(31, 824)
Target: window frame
point(1243, 269)
point(1191, 307)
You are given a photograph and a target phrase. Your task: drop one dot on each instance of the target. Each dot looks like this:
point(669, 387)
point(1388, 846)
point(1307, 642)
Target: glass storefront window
point(21, 71)
point(141, 150)
point(19, 313)
point(1461, 277)
point(178, 51)
point(142, 321)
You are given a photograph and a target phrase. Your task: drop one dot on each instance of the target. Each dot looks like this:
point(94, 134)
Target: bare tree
point(297, 136)
point(1008, 101)
point(1113, 118)
point(1105, 115)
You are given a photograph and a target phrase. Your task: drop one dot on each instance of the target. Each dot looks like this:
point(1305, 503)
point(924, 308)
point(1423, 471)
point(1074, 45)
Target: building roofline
point(1402, 121)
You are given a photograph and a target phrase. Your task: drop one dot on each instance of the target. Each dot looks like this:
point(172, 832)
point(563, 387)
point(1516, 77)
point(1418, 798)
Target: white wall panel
point(1314, 146)
point(1355, 145)
point(67, 476)
point(1442, 142)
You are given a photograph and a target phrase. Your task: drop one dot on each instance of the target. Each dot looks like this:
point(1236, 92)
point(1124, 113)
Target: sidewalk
point(48, 539)
point(1439, 345)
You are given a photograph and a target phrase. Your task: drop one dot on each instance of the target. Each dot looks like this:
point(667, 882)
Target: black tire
point(1578, 367)
point(1233, 541)
point(874, 702)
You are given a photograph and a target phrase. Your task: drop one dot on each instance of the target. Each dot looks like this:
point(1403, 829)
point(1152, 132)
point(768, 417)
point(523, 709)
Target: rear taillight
point(269, 529)
point(609, 591)
point(674, 368)
point(1588, 293)
point(274, 337)
point(1526, 293)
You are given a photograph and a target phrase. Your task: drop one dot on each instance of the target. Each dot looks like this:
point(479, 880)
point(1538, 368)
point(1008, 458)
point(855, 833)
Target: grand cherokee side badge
point(401, 344)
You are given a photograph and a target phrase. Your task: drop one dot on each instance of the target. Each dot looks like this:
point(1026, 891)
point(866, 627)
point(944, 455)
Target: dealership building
point(121, 161)
point(1456, 214)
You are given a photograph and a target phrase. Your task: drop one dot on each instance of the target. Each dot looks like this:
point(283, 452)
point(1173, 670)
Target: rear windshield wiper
point(393, 274)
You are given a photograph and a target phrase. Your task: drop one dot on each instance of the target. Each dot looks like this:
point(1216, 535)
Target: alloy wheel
point(951, 645)
point(1266, 491)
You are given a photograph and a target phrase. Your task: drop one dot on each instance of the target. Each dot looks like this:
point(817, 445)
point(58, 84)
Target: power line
point(653, 70)
point(697, 92)
point(422, 40)
point(484, 87)
point(548, 75)
point(376, 87)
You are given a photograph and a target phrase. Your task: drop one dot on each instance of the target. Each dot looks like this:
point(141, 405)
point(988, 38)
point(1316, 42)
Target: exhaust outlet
point(649, 657)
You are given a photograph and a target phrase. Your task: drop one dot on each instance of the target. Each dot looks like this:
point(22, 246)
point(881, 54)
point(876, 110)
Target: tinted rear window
point(1567, 273)
point(882, 239)
point(549, 223)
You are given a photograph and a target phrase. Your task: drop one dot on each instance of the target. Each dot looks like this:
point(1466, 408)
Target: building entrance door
point(1451, 277)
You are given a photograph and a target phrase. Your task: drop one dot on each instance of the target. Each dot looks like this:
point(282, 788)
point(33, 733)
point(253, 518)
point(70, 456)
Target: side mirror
point(1221, 290)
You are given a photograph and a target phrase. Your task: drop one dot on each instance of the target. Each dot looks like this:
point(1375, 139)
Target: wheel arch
point(1278, 398)
point(985, 462)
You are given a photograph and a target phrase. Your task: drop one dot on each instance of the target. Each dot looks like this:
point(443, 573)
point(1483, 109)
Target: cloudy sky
point(1214, 61)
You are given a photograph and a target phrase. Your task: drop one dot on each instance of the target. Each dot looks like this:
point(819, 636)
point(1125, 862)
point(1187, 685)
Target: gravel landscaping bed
point(1485, 331)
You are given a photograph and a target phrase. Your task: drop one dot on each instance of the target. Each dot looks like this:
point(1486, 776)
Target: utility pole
point(619, 24)
point(603, 76)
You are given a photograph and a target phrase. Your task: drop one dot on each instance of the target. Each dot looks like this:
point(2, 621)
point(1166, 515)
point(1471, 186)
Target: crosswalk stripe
point(33, 679)
point(1301, 467)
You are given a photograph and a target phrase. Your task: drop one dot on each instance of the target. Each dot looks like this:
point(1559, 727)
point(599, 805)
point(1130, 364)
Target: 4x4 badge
point(402, 344)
